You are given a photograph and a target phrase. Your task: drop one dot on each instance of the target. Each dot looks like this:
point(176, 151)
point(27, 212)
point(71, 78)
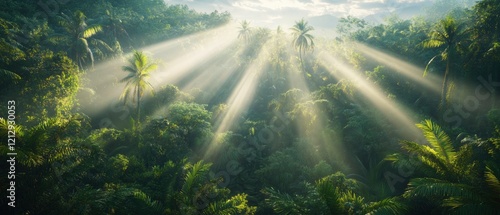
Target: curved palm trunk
point(444, 90)
point(442, 105)
point(78, 60)
point(138, 106)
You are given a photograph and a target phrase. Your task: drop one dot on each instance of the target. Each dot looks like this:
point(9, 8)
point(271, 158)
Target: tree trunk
point(79, 61)
point(442, 105)
point(138, 106)
point(301, 61)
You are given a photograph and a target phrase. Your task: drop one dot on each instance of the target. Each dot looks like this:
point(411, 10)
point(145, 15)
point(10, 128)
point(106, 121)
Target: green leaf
point(428, 64)
point(438, 139)
point(91, 31)
point(9, 74)
point(440, 189)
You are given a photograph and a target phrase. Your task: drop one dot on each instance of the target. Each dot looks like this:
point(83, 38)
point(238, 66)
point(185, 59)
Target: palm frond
point(125, 94)
point(130, 69)
point(389, 206)
point(194, 176)
point(151, 87)
point(237, 204)
point(154, 207)
point(282, 203)
point(91, 31)
point(100, 43)
point(433, 43)
point(428, 64)
point(438, 139)
point(492, 176)
point(150, 67)
point(330, 195)
point(129, 77)
point(64, 21)
point(433, 164)
point(10, 75)
point(461, 208)
point(440, 189)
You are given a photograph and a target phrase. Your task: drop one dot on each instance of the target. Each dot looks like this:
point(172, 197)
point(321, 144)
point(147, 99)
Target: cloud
point(307, 8)
point(321, 13)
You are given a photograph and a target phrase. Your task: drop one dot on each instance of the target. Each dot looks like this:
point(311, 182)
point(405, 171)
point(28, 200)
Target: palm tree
point(448, 34)
point(439, 159)
point(139, 69)
point(302, 39)
point(333, 194)
point(79, 35)
point(245, 30)
point(451, 178)
point(48, 155)
point(201, 194)
point(11, 48)
point(114, 27)
point(112, 21)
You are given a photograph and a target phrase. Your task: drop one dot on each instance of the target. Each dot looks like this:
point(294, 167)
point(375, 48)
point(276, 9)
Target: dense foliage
point(312, 139)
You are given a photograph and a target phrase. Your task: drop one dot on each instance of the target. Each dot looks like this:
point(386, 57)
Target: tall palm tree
point(114, 27)
point(79, 35)
point(448, 33)
point(139, 69)
point(244, 31)
point(303, 40)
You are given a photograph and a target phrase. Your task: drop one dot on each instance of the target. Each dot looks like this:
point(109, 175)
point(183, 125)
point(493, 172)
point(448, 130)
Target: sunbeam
point(213, 76)
point(241, 97)
point(411, 71)
point(394, 112)
point(312, 124)
point(177, 57)
point(198, 53)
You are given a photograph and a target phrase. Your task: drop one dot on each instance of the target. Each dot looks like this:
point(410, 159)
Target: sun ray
point(313, 128)
point(199, 53)
point(409, 70)
point(395, 113)
point(178, 57)
point(213, 76)
point(241, 97)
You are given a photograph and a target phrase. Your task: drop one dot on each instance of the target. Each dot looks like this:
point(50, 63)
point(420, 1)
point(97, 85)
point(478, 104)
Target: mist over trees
point(399, 117)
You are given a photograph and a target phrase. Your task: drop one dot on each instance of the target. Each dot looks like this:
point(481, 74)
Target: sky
point(322, 14)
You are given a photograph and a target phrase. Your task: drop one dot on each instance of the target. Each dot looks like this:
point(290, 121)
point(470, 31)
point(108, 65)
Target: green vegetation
point(139, 67)
point(303, 40)
point(355, 127)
